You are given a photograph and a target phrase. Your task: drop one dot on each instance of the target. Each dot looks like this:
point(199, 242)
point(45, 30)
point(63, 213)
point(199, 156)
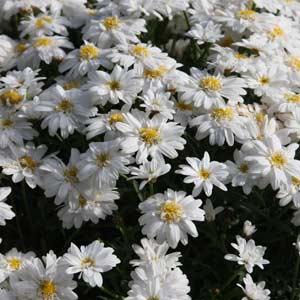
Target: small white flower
point(248, 228)
point(6, 212)
point(90, 261)
point(169, 216)
point(210, 211)
point(204, 174)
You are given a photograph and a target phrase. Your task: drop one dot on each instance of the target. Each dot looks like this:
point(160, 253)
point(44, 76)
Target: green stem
point(110, 293)
point(232, 278)
point(136, 188)
point(296, 272)
point(151, 188)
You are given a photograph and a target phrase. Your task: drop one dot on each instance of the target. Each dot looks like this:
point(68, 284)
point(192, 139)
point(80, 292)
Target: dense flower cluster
point(137, 108)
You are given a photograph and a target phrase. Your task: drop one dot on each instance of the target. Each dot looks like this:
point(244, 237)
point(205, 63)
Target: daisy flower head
point(45, 279)
point(169, 217)
point(90, 261)
point(250, 255)
point(120, 84)
point(155, 137)
point(6, 212)
point(204, 174)
point(254, 291)
point(86, 59)
point(63, 110)
point(205, 90)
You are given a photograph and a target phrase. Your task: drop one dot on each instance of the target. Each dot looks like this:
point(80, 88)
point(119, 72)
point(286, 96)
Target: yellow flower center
point(6, 123)
point(82, 201)
point(240, 56)
point(27, 162)
point(278, 160)
point(296, 181)
point(171, 211)
point(71, 174)
point(276, 32)
point(91, 12)
point(65, 106)
point(153, 298)
point(156, 73)
point(70, 85)
point(226, 42)
point(211, 83)
point(247, 14)
point(260, 117)
point(87, 52)
point(111, 23)
point(114, 118)
point(243, 168)
point(21, 47)
point(184, 106)
point(88, 262)
point(264, 80)
point(294, 63)
point(294, 98)
point(14, 263)
point(12, 96)
point(40, 22)
point(204, 174)
point(47, 290)
point(140, 50)
point(149, 135)
point(103, 159)
point(114, 85)
point(43, 42)
point(223, 113)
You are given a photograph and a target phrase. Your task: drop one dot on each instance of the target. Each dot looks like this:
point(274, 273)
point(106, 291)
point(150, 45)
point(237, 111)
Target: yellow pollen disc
point(43, 42)
point(11, 96)
point(87, 262)
point(243, 168)
point(111, 23)
point(40, 22)
point(6, 123)
point(140, 50)
point(211, 83)
point(153, 298)
point(82, 201)
point(278, 160)
point(184, 106)
point(14, 263)
point(70, 85)
point(296, 181)
point(204, 174)
point(114, 85)
point(71, 174)
point(65, 106)
point(294, 63)
point(226, 42)
point(294, 98)
point(222, 113)
point(21, 47)
point(114, 118)
point(247, 14)
point(276, 32)
point(149, 135)
point(264, 80)
point(27, 162)
point(156, 73)
point(47, 289)
point(171, 211)
point(260, 117)
point(87, 52)
point(240, 56)
point(91, 12)
point(103, 159)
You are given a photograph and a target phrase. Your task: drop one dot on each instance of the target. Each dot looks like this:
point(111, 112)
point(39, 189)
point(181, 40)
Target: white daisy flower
point(83, 60)
point(169, 217)
point(204, 174)
point(90, 261)
point(290, 193)
point(6, 212)
point(254, 291)
point(121, 84)
point(248, 228)
point(205, 90)
point(7, 53)
point(45, 280)
point(250, 255)
point(153, 137)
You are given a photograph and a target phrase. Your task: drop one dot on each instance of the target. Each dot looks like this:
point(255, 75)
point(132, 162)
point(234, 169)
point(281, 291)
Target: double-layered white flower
point(204, 174)
point(90, 261)
point(169, 217)
point(155, 137)
point(250, 255)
